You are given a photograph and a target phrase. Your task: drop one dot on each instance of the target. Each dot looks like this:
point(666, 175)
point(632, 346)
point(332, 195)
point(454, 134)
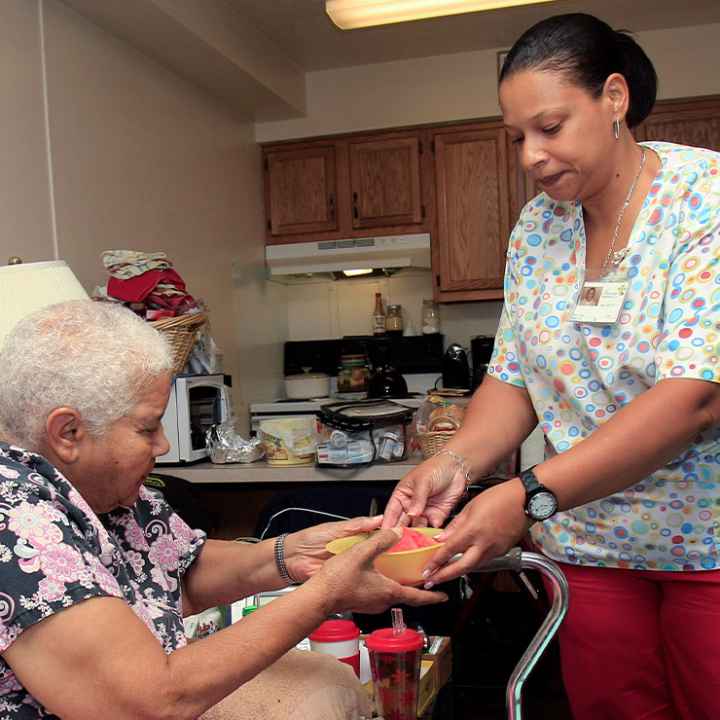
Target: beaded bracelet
point(279, 553)
point(460, 460)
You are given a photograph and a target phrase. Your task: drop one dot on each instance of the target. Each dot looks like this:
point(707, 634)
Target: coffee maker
point(455, 368)
point(481, 347)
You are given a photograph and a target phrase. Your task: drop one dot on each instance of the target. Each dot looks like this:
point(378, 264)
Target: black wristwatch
point(540, 502)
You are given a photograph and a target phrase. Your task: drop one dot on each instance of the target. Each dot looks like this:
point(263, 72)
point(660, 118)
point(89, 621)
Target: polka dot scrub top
point(578, 375)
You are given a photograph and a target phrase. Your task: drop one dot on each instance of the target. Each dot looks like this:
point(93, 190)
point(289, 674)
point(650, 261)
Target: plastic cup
point(339, 638)
point(395, 667)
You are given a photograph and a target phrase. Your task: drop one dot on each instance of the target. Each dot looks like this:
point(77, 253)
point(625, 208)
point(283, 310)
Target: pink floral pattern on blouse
point(55, 552)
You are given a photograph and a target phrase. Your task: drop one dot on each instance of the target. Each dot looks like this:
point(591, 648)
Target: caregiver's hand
point(427, 494)
point(305, 550)
point(488, 526)
point(350, 582)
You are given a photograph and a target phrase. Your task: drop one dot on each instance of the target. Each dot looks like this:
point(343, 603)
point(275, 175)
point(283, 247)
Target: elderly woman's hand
point(305, 550)
point(350, 582)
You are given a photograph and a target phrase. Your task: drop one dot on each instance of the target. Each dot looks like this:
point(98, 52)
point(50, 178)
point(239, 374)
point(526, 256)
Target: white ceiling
point(303, 31)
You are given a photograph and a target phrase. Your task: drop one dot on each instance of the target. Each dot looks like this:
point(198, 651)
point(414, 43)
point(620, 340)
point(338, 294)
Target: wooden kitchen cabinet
point(351, 186)
point(692, 121)
point(385, 182)
point(472, 183)
point(301, 190)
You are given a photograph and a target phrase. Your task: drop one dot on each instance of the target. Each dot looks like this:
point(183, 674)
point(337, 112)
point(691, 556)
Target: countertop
point(205, 473)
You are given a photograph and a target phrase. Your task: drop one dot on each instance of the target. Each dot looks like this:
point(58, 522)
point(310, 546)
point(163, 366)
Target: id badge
point(600, 301)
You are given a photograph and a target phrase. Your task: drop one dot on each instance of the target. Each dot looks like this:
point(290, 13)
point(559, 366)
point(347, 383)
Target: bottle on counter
point(394, 320)
point(378, 318)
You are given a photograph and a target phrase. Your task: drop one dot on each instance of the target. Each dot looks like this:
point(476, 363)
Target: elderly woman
point(96, 573)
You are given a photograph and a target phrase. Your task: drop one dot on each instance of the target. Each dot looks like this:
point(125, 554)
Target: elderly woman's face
point(564, 135)
point(112, 468)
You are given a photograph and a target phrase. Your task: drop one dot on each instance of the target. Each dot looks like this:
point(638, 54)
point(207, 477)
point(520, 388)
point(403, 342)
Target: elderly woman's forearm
point(226, 571)
point(651, 431)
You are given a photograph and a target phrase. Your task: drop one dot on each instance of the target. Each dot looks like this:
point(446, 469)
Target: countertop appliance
point(196, 402)
point(455, 368)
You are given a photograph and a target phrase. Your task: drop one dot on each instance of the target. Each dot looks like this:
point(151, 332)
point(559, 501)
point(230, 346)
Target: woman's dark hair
point(587, 51)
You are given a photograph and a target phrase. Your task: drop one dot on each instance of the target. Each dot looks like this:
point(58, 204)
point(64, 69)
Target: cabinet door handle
point(331, 205)
point(355, 212)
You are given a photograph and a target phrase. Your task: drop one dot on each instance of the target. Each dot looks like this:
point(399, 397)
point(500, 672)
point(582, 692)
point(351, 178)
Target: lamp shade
point(25, 288)
point(350, 14)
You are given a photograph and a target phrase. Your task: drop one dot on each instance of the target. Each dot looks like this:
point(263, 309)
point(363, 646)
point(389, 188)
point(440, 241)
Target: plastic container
point(360, 433)
point(395, 667)
point(339, 638)
point(289, 441)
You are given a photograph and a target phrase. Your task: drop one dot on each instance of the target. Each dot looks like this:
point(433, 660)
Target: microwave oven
point(196, 402)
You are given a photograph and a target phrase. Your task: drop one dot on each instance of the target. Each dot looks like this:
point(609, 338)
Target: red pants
point(642, 645)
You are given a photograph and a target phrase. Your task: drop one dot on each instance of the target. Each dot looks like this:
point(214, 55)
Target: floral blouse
point(55, 552)
point(578, 375)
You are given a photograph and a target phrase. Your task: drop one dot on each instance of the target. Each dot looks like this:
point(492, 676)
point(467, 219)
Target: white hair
point(95, 357)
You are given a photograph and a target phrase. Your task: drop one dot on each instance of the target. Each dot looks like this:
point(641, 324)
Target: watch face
point(542, 505)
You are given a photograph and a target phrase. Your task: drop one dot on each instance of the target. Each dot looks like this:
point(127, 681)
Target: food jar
point(430, 317)
point(353, 375)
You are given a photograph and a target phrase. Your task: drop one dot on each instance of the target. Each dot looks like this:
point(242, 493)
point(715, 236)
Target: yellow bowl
point(405, 566)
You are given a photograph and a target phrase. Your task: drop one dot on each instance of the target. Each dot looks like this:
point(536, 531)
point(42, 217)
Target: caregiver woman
point(627, 397)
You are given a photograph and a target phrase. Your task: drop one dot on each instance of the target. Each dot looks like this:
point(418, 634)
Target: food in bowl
point(411, 540)
point(403, 566)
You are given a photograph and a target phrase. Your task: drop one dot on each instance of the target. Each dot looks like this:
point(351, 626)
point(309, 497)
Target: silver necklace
point(616, 257)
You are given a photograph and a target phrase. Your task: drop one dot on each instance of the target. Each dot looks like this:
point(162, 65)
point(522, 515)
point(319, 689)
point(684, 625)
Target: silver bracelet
point(460, 460)
point(279, 553)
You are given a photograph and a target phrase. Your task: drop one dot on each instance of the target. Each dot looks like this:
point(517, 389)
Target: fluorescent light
point(359, 271)
point(349, 14)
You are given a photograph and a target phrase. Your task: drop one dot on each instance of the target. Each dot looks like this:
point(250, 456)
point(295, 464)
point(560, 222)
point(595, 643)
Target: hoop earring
point(616, 128)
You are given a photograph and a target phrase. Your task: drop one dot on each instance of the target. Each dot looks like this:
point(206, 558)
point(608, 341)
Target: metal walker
point(518, 561)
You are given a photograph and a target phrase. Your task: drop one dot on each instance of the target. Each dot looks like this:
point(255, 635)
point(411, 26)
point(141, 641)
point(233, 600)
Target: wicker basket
point(180, 334)
point(433, 441)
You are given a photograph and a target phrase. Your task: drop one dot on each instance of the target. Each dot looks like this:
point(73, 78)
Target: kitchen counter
point(206, 473)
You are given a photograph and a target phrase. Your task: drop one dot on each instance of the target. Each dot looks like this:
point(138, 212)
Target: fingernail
point(376, 517)
point(426, 572)
point(429, 584)
point(439, 537)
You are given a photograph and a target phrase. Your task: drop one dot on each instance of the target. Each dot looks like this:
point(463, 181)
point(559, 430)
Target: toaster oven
point(196, 402)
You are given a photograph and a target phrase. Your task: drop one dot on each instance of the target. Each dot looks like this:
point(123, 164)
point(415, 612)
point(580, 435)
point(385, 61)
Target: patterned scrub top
point(578, 375)
point(55, 552)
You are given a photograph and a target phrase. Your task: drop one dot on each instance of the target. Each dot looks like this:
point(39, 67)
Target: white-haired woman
point(96, 573)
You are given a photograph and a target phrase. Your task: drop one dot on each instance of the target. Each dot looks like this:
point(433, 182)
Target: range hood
point(391, 252)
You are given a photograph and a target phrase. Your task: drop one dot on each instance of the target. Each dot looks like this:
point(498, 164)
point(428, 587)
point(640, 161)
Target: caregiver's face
point(563, 133)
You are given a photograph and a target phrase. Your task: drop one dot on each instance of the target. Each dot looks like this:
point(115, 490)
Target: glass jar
point(353, 375)
point(430, 317)
point(394, 320)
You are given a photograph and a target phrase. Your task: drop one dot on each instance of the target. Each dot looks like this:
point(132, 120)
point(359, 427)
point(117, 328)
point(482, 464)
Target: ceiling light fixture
point(357, 271)
point(350, 14)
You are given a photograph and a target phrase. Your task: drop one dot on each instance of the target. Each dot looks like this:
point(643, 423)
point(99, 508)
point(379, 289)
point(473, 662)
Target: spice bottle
point(378, 318)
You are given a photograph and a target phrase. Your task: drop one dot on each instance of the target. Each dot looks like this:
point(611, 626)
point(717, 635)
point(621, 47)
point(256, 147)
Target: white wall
point(141, 159)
